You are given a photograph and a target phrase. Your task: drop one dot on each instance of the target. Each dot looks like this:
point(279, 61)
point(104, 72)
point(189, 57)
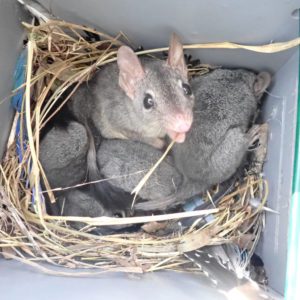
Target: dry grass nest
point(58, 56)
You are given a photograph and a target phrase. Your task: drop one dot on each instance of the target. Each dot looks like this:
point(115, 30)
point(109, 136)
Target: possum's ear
point(131, 70)
point(176, 57)
point(261, 83)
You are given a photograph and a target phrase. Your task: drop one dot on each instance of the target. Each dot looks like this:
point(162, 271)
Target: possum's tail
point(112, 197)
point(92, 167)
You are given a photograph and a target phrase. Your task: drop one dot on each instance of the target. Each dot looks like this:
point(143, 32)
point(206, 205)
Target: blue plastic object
point(19, 79)
point(17, 99)
point(193, 203)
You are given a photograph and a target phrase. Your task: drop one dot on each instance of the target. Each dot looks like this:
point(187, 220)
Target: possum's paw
point(258, 143)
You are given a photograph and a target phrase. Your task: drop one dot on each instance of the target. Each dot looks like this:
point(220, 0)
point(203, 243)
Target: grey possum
point(125, 163)
point(138, 99)
point(63, 156)
point(225, 106)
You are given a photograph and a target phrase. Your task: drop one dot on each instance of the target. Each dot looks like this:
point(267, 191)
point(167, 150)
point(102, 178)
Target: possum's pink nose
point(182, 123)
point(179, 126)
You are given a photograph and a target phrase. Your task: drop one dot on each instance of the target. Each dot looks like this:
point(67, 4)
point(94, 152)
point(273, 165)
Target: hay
point(59, 57)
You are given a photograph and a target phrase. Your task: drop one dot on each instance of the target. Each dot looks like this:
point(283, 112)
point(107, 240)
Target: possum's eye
point(148, 101)
point(186, 89)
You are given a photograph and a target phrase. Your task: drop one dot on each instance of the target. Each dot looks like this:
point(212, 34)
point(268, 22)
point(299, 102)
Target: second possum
point(225, 107)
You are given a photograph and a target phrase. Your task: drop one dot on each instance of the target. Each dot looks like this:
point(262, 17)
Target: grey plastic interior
point(149, 23)
point(10, 32)
point(280, 113)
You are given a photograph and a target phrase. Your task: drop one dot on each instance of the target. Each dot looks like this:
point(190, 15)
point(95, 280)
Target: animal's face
point(160, 93)
point(164, 100)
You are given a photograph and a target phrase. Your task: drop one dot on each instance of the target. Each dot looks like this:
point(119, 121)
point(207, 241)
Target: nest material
point(59, 56)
